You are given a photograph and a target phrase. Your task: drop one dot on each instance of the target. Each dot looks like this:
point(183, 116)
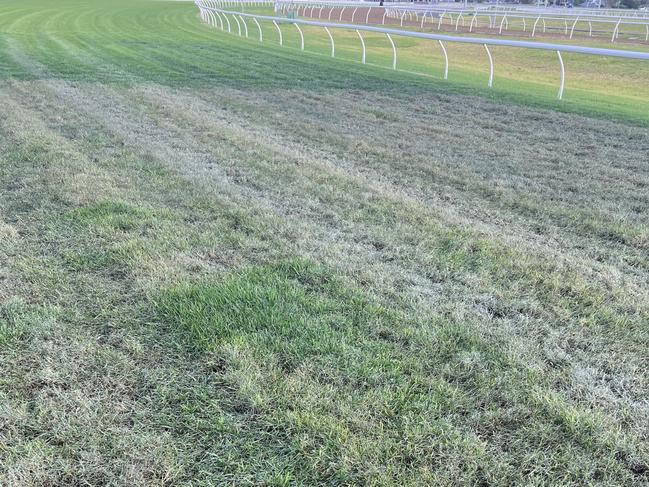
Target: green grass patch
point(18, 320)
point(385, 397)
point(273, 304)
point(114, 216)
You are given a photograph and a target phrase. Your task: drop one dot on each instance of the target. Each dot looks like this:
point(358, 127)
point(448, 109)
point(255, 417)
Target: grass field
point(226, 264)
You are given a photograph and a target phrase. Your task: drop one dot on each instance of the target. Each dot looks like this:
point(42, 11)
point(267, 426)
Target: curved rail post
point(394, 52)
point(534, 28)
point(565, 22)
point(281, 39)
point(563, 76)
point(384, 14)
point(209, 19)
point(330, 11)
point(403, 14)
point(227, 22)
point(524, 25)
point(441, 44)
point(340, 19)
point(320, 11)
point(245, 26)
point(216, 14)
point(367, 17)
point(439, 24)
point(572, 29)
point(501, 24)
point(457, 22)
point(333, 45)
point(261, 35)
point(353, 14)
point(238, 24)
point(590, 29)
point(491, 66)
point(616, 30)
point(301, 37)
point(360, 36)
point(646, 37)
point(423, 19)
point(473, 19)
point(220, 19)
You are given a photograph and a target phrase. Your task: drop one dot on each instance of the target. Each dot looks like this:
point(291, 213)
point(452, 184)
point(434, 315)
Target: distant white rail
point(577, 11)
point(238, 3)
point(460, 7)
point(210, 14)
point(566, 21)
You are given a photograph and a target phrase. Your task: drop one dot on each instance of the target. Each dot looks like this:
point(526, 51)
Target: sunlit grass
point(593, 82)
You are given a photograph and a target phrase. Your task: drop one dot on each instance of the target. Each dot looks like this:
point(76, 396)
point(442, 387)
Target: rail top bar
point(544, 46)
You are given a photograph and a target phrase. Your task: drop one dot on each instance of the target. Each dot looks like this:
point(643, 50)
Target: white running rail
point(209, 15)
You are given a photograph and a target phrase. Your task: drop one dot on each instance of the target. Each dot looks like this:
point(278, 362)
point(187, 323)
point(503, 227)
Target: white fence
point(529, 21)
point(220, 18)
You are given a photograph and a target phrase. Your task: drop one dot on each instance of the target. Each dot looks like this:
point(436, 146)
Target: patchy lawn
point(212, 275)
